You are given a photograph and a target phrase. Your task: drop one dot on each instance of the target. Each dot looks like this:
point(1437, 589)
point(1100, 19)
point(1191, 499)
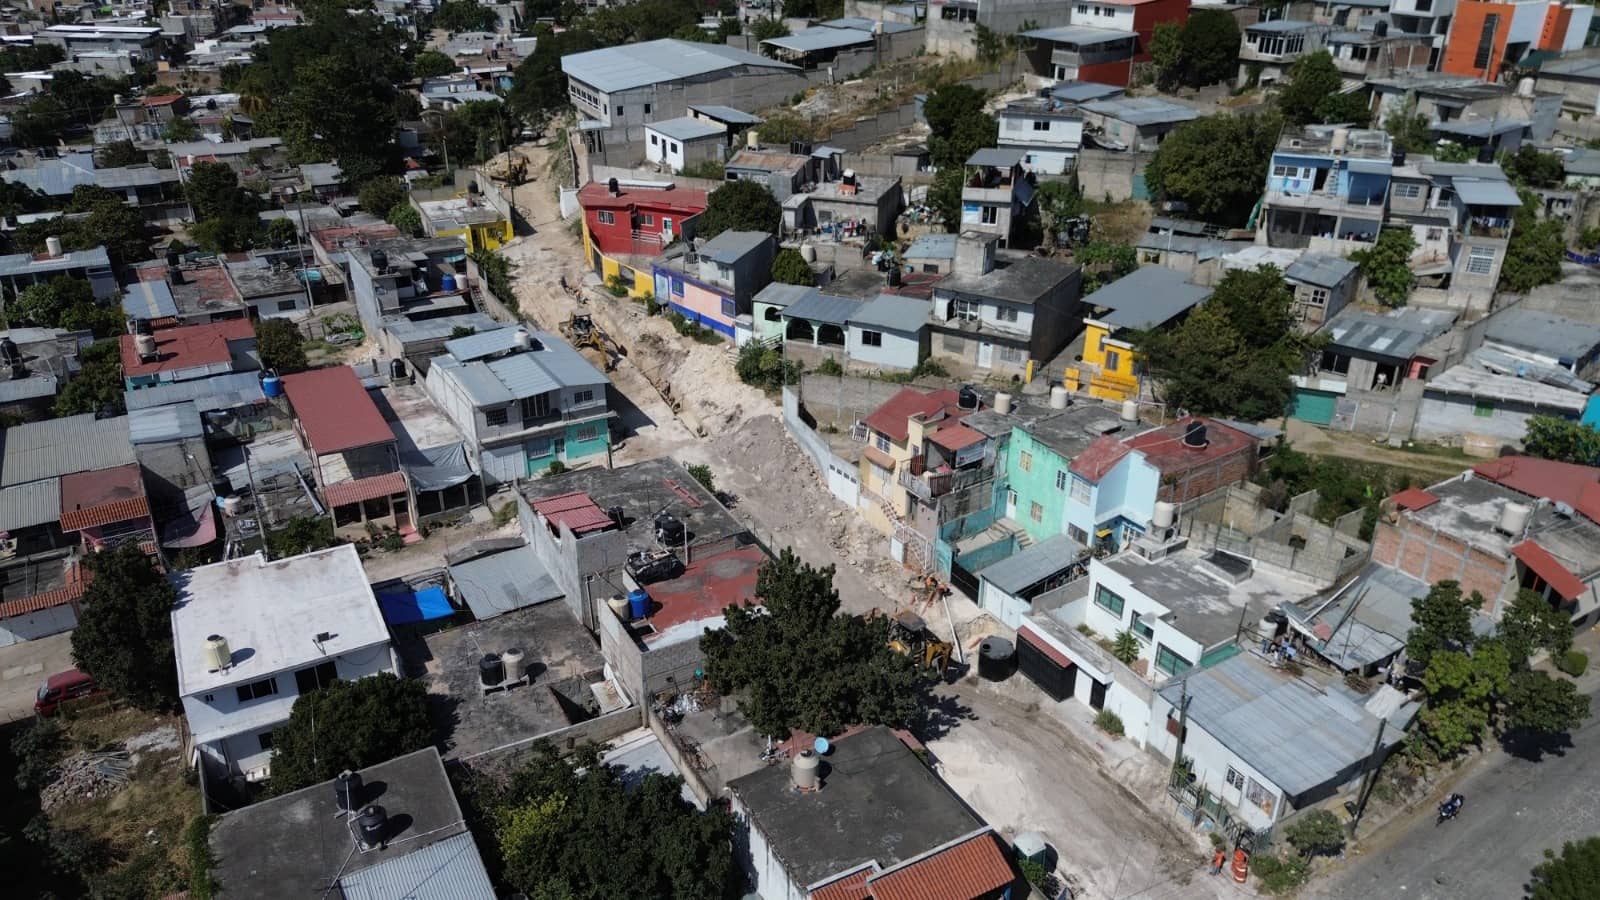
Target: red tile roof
point(91, 499)
point(955, 437)
point(162, 100)
point(684, 201)
point(335, 411)
point(1549, 568)
point(1414, 498)
point(1164, 447)
point(187, 346)
point(890, 418)
point(975, 867)
point(850, 887)
point(1569, 483)
point(347, 492)
point(77, 579)
point(576, 510)
point(1100, 457)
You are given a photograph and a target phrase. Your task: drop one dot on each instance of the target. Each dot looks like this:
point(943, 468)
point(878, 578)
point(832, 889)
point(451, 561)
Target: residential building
point(1038, 466)
point(409, 278)
point(20, 271)
point(1425, 19)
point(1552, 340)
point(186, 352)
point(1327, 189)
point(713, 284)
point(286, 627)
point(1368, 361)
point(888, 333)
point(784, 172)
point(355, 457)
point(174, 293)
point(902, 444)
point(815, 327)
point(1149, 297)
point(1003, 316)
point(931, 254)
point(157, 193)
point(141, 43)
point(1509, 524)
point(1138, 124)
point(829, 843)
point(1048, 131)
point(767, 306)
point(1268, 49)
point(1322, 285)
point(850, 207)
point(627, 226)
point(1454, 100)
point(1486, 400)
point(644, 82)
point(1138, 16)
point(304, 842)
point(272, 284)
point(477, 223)
point(106, 508)
point(676, 144)
point(1461, 217)
point(1008, 588)
point(846, 43)
point(522, 400)
point(1363, 54)
point(1083, 53)
point(1576, 79)
point(1361, 626)
point(1196, 457)
point(1486, 37)
point(994, 193)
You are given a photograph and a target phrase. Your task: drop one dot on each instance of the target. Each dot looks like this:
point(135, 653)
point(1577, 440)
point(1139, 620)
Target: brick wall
point(1212, 475)
point(1431, 557)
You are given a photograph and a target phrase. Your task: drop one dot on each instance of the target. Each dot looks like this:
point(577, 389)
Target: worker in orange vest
point(1217, 861)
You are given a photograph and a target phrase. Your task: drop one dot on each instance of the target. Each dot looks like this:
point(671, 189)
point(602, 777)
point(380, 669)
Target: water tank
point(145, 344)
point(1486, 154)
point(1194, 435)
point(52, 245)
point(347, 790)
point(272, 386)
point(1031, 845)
point(1130, 410)
point(448, 283)
point(669, 530)
point(512, 659)
point(380, 261)
point(1398, 158)
point(10, 355)
point(1058, 397)
point(613, 187)
point(752, 140)
point(803, 771)
point(372, 825)
point(967, 398)
point(215, 652)
point(894, 276)
point(808, 253)
point(397, 369)
point(1165, 514)
point(523, 339)
point(1514, 518)
point(638, 603)
point(1341, 138)
point(491, 671)
point(619, 607)
point(997, 659)
point(142, 326)
point(1002, 403)
point(174, 259)
point(1525, 87)
point(231, 505)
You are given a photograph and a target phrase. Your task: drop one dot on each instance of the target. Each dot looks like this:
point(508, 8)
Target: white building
point(290, 626)
point(1047, 130)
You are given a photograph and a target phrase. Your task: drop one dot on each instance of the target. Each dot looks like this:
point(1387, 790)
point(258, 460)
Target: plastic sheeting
point(438, 468)
point(403, 606)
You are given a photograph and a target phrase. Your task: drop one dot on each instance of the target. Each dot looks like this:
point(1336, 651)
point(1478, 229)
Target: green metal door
point(1316, 407)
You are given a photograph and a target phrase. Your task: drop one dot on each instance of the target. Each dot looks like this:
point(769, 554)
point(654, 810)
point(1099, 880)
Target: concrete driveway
point(24, 666)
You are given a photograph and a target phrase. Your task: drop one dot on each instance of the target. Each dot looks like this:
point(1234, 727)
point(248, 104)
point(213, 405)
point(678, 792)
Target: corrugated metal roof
point(407, 331)
point(173, 422)
point(522, 375)
point(149, 300)
point(502, 582)
point(731, 246)
point(783, 295)
point(448, 870)
point(565, 364)
point(1141, 110)
point(32, 387)
point(335, 411)
point(1320, 269)
point(20, 263)
point(813, 39)
point(79, 443)
point(683, 128)
point(26, 505)
point(1486, 193)
point(1546, 333)
point(484, 343)
point(892, 312)
point(1147, 297)
point(1079, 35)
point(998, 157)
point(727, 114)
point(1083, 91)
point(861, 23)
point(1282, 26)
point(1392, 335)
point(822, 308)
point(217, 392)
point(1019, 571)
point(628, 66)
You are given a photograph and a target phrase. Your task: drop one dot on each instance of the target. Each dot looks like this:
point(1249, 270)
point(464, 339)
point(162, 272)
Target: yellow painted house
point(477, 223)
point(1146, 298)
point(1107, 368)
point(640, 280)
point(896, 432)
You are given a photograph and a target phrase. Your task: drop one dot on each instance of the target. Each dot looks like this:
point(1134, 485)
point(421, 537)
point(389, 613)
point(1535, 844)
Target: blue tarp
point(403, 607)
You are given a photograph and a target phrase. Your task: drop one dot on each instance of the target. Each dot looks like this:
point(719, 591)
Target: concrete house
point(994, 192)
point(903, 443)
point(1322, 286)
point(20, 271)
point(713, 284)
point(285, 628)
point(1000, 315)
point(888, 333)
point(188, 352)
point(1048, 131)
point(626, 227)
point(1487, 399)
point(676, 144)
point(1370, 364)
point(1271, 48)
point(1327, 189)
point(1138, 124)
point(354, 454)
point(1106, 366)
point(412, 278)
point(1102, 55)
point(1565, 343)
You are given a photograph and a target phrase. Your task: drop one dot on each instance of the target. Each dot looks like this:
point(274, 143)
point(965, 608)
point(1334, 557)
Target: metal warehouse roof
point(684, 128)
point(1297, 736)
point(79, 443)
point(1019, 571)
point(448, 870)
point(629, 66)
point(1079, 35)
point(893, 312)
point(813, 39)
point(823, 308)
point(1567, 339)
point(1147, 297)
point(726, 114)
point(1320, 270)
point(27, 505)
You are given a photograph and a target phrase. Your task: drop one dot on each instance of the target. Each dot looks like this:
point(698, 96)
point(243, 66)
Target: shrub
point(1573, 662)
point(1280, 875)
point(1109, 722)
point(1033, 870)
point(556, 467)
point(702, 474)
point(1317, 833)
point(1125, 648)
point(617, 286)
point(829, 366)
point(198, 837)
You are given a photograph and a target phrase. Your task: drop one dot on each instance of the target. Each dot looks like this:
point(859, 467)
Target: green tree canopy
point(1536, 249)
point(1386, 265)
point(764, 29)
point(282, 232)
point(1574, 874)
point(799, 664)
point(958, 124)
point(120, 153)
point(1409, 131)
point(98, 384)
point(1529, 167)
point(1562, 440)
point(1539, 704)
point(380, 195)
point(778, 130)
point(405, 217)
point(432, 64)
point(124, 633)
point(1532, 623)
point(1312, 94)
point(1166, 54)
point(225, 210)
point(348, 725)
point(944, 196)
point(1441, 620)
point(740, 206)
point(301, 534)
point(539, 86)
point(1210, 47)
point(465, 15)
point(1104, 262)
point(476, 130)
point(1317, 833)
point(1214, 164)
point(789, 267)
point(281, 346)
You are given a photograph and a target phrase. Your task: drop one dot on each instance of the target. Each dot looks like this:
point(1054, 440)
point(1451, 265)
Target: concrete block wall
point(1110, 174)
point(1431, 557)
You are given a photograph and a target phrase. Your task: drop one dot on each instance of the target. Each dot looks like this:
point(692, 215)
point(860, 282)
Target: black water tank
point(1194, 434)
point(1398, 158)
point(967, 398)
point(373, 825)
point(1486, 154)
point(669, 530)
point(397, 369)
point(613, 187)
point(997, 659)
point(347, 790)
point(894, 276)
point(491, 671)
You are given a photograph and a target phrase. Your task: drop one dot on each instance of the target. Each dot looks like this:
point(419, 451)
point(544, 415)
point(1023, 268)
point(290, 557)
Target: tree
point(281, 232)
point(1059, 202)
point(1462, 691)
point(1536, 249)
point(179, 130)
point(465, 15)
point(1313, 79)
point(1441, 620)
point(958, 124)
point(539, 86)
point(1125, 648)
point(764, 29)
point(432, 64)
point(124, 634)
point(789, 267)
point(1210, 47)
point(281, 346)
point(1537, 704)
point(1532, 623)
point(43, 305)
point(944, 196)
point(799, 664)
point(1528, 167)
point(778, 130)
point(405, 217)
point(380, 195)
point(765, 368)
point(98, 385)
point(348, 725)
point(1317, 833)
point(1573, 875)
point(226, 211)
point(703, 474)
point(301, 534)
point(120, 153)
point(559, 822)
point(1562, 440)
point(476, 130)
point(740, 206)
point(1104, 262)
point(1386, 265)
point(1214, 164)
point(1410, 132)
point(1166, 54)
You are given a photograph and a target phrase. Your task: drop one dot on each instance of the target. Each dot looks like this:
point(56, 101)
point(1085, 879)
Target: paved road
point(1515, 809)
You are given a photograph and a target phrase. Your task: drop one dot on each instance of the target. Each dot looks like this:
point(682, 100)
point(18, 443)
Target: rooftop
point(642, 490)
point(563, 659)
point(1559, 482)
point(1468, 379)
point(187, 347)
point(996, 157)
point(684, 608)
point(1068, 432)
point(1361, 143)
point(1298, 733)
point(299, 845)
point(893, 313)
point(457, 213)
point(726, 114)
point(1165, 449)
point(892, 416)
point(1147, 297)
point(1079, 35)
point(824, 308)
point(933, 246)
point(1545, 333)
point(1284, 25)
point(665, 197)
point(92, 499)
point(37, 450)
point(1320, 270)
point(258, 276)
point(768, 161)
point(783, 295)
point(496, 371)
point(636, 65)
point(498, 582)
point(820, 38)
point(1017, 281)
point(335, 410)
point(271, 614)
point(217, 392)
point(1204, 599)
point(1141, 110)
point(1396, 335)
point(1372, 615)
point(731, 246)
point(1026, 568)
point(1470, 506)
point(1084, 91)
point(878, 803)
point(24, 263)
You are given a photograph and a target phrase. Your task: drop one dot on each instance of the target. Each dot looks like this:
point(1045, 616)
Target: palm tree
point(1125, 648)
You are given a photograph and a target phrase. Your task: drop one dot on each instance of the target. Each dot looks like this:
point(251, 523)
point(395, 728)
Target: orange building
point(1486, 37)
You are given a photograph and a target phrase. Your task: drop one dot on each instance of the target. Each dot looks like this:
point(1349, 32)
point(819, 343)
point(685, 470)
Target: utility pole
point(1368, 778)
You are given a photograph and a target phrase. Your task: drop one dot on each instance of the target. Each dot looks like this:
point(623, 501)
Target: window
point(729, 308)
point(606, 218)
point(1435, 234)
point(965, 310)
point(619, 110)
point(1025, 462)
point(1169, 662)
point(652, 140)
point(666, 224)
point(1483, 410)
point(1081, 489)
point(265, 740)
point(989, 215)
point(1108, 600)
point(646, 219)
point(871, 338)
point(647, 109)
point(1150, 256)
point(1036, 512)
point(494, 417)
point(1083, 9)
point(677, 287)
point(535, 407)
point(1319, 297)
point(1141, 628)
point(1337, 363)
point(1480, 260)
point(953, 343)
point(1257, 794)
point(773, 314)
point(881, 441)
point(1005, 313)
point(1480, 60)
point(582, 398)
point(318, 676)
point(266, 687)
point(1235, 778)
point(673, 148)
point(1078, 534)
point(1442, 199)
point(1014, 355)
point(1113, 360)
point(588, 432)
point(930, 268)
point(1407, 191)
point(1041, 125)
point(1061, 480)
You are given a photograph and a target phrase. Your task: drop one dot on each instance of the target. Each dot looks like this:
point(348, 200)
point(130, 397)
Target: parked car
point(62, 687)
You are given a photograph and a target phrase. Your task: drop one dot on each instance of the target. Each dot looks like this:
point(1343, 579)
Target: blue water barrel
point(448, 283)
point(272, 386)
point(638, 604)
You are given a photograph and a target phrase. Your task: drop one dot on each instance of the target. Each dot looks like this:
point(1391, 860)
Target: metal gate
point(1054, 679)
point(964, 580)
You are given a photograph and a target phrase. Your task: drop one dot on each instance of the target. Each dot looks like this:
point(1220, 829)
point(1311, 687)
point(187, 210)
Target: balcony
point(1489, 227)
point(1324, 200)
point(929, 485)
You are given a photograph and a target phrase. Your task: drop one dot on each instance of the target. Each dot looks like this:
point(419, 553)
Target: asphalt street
point(1515, 808)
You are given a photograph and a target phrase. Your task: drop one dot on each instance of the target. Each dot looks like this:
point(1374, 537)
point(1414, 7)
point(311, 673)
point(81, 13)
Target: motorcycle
point(1449, 808)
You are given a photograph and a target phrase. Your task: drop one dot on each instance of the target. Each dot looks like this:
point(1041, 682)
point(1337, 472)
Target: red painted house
point(1103, 41)
point(624, 229)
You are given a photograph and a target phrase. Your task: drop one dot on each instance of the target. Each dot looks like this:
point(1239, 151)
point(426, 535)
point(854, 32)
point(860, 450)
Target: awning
point(1043, 646)
point(196, 529)
point(440, 467)
point(1541, 563)
point(1371, 166)
point(1414, 498)
point(405, 606)
point(105, 514)
point(501, 582)
point(1486, 193)
point(347, 492)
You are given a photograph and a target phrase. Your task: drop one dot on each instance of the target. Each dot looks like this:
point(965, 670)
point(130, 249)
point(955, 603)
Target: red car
point(61, 687)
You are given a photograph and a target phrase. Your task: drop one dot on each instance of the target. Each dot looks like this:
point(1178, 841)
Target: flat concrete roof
point(1204, 601)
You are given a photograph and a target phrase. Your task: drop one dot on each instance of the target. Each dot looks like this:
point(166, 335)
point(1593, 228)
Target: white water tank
point(1341, 138)
point(230, 505)
point(216, 654)
point(52, 245)
point(1525, 87)
point(145, 344)
point(1058, 397)
point(523, 340)
point(808, 253)
point(1002, 403)
point(752, 139)
point(512, 660)
point(1165, 513)
point(1514, 518)
point(619, 606)
point(1130, 410)
point(803, 771)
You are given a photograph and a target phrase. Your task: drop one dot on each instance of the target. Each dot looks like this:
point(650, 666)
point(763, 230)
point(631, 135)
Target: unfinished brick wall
point(1429, 556)
point(1189, 484)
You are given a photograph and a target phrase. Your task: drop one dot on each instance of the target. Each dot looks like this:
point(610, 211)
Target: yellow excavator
point(909, 635)
point(591, 340)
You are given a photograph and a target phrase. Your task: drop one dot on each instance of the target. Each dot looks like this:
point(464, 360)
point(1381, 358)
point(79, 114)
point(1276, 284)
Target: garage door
point(1044, 665)
point(1316, 407)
